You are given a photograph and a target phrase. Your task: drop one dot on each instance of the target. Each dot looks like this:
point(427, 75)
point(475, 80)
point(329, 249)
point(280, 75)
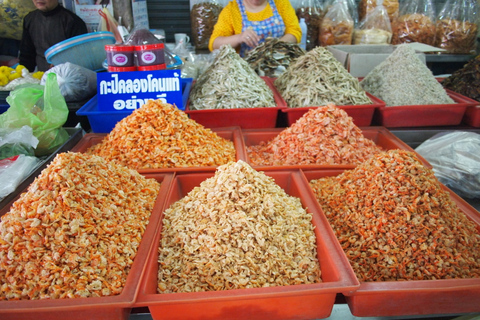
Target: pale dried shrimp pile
point(158, 135)
point(323, 135)
point(76, 230)
point(273, 56)
point(316, 79)
point(403, 79)
point(237, 230)
point(230, 83)
point(396, 222)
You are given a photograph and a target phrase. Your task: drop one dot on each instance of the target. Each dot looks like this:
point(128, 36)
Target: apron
point(270, 27)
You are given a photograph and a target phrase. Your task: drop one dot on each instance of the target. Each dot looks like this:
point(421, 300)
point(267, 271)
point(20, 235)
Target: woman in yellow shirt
point(245, 23)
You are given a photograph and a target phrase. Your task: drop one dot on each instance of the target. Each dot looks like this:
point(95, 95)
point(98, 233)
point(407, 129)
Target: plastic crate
point(308, 301)
point(95, 308)
point(233, 134)
point(380, 135)
point(422, 115)
point(415, 297)
point(362, 115)
point(246, 118)
point(105, 121)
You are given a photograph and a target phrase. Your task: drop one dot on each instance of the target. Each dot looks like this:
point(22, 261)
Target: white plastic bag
point(17, 141)
point(455, 157)
point(76, 82)
point(13, 171)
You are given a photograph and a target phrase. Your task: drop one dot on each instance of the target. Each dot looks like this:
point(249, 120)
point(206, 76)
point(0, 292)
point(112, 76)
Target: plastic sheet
point(455, 157)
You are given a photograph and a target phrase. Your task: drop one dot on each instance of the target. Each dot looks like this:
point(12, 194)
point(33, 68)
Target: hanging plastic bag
point(14, 142)
point(351, 8)
point(415, 23)
point(457, 26)
point(455, 157)
point(108, 23)
point(311, 11)
point(365, 6)
point(43, 108)
point(337, 25)
point(13, 171)
point(76, 82)
point(375, 28)
point(203, 17)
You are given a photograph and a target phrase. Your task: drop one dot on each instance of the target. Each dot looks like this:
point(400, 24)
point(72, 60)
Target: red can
point(120, 55)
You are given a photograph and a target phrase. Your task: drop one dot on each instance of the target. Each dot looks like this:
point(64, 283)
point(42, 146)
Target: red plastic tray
point(416, 297)
point(98, 308)
point(246, 118)
point(380, 135)
point(472, 114)
point(233, 134)
point(422, 115)
point(309, 301)
point(362, 114)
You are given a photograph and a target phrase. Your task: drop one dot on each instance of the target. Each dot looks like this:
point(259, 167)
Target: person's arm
point(27, 54)
point(293, 32)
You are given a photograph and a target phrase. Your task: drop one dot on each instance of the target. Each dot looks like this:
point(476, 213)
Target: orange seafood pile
point(76, 230)
point(158, 135)
point(323, 135)
point(396, 222)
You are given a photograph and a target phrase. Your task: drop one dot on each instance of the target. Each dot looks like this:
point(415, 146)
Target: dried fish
point(237, 229)
point(318, 78)
point(272, 57)
point(466, 80)
point(403, 79)
point(230, 83)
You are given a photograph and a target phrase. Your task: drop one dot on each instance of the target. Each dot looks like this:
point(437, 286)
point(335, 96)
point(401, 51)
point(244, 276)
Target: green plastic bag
point(41, 107)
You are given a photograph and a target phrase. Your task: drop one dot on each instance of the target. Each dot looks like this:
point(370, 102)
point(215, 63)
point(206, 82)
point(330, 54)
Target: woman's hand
point(250, 38)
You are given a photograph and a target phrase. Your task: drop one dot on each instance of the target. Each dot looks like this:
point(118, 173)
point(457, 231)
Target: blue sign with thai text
point(123, 91)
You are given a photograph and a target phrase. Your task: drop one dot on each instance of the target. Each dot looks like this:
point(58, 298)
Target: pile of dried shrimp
point(237, 230)
point(323, 135)
point(396, 222)
point(158, 135)
point(76, 230)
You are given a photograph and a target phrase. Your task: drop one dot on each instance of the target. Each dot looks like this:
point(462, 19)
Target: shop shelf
point(415, 297)
point(380, 135)
point(232, 133)
point(362, 115)
point(308, 301)
point(422, 115)
point(246, 118)
point(105, 121)
point(96, 308)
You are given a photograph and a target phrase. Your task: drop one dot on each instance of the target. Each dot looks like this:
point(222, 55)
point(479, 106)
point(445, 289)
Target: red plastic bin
point(472, 114)
point(233, 134)
point(98, 308)
point(380, 135)
point(362, 114)
point(308, 301)
point(416, 297)
point(246, 118)
point(422, 115)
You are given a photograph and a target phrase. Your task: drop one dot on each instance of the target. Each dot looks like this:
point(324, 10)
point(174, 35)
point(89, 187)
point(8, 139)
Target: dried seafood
point(413, 28)
point(230, 83)
point(313, 20)
point(324, 135)
point(396, 222)
point(76, 230)
point(335, 32)
point(366, 6)
point(316, 79)
point(273, 56)
point(237, 230)
point(203, 17)
point(372, 36)
point(456, 36)
point(403, 79)
point(466, 80)
point(158, 135)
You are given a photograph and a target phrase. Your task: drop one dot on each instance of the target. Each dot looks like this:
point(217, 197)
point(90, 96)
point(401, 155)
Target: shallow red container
point(98, 308)
point(308, 301)
point(472, 114)
point(246, 118)
point(422, 115)
point(362, 114)
point(416, 297)
point(232, 133)
point(380, 135)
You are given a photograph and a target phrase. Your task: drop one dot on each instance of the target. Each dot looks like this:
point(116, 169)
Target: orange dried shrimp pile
point(76, 231)
point(158, 135)
point(238, 229)
point(396, 222)
point(323, 135)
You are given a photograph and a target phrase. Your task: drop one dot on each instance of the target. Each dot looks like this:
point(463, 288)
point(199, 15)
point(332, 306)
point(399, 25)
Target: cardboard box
point(359, 60)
